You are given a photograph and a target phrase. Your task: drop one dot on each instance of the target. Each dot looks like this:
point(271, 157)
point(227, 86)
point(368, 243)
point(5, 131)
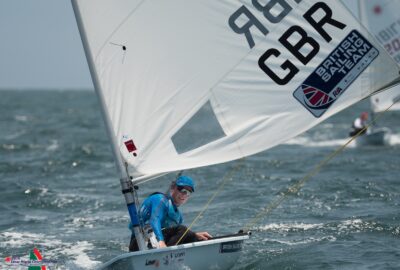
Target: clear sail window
point(201, 129)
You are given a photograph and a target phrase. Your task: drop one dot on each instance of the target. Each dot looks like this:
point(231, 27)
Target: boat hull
point(375, 137)
point(221, 253)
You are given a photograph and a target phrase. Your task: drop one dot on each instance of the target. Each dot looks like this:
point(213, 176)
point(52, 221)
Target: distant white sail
point(256, 74)
point(382, 18)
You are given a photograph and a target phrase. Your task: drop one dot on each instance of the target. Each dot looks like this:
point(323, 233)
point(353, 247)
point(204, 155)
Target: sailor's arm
point(157, 216)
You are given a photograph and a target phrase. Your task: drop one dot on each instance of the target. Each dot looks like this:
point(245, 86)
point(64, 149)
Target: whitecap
point(53, 146)
point(21, 118)
point(394, 139)
point(43, 191)
point(11, 239)
point(80, 258)
point(304, 141)
point(298, 141)
point(34, 218)
point(356, 225)
point(286, 227)
point(52, 248)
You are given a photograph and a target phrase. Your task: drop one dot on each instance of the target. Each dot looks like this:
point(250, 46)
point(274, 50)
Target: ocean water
point(60, 192)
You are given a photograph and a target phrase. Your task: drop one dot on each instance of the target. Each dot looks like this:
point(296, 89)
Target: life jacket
point(173, 216)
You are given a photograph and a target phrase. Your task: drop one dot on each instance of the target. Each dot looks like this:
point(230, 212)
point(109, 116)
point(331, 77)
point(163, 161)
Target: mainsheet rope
point(297, 186)
point(292, 189)
point(225, 179)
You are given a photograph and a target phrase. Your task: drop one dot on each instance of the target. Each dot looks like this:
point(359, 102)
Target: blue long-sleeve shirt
point(160, 212)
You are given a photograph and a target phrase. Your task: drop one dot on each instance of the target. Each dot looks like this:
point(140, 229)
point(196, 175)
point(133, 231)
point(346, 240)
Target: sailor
point(359, 124)
point(160, 213)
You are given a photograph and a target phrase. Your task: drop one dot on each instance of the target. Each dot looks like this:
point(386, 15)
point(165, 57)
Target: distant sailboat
point(260, 73)
point(382, 19)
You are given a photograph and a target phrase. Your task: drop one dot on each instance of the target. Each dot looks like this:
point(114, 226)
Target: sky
point(40, 47)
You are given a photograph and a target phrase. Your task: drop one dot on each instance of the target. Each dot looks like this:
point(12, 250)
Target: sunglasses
point(184, 190)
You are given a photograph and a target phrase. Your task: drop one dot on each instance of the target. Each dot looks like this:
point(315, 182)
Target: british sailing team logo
point(35, 262)
point(336, 73)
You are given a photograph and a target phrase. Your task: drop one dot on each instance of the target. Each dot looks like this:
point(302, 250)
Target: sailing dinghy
point(382, 19)
point(376, 136)
point(259, 73)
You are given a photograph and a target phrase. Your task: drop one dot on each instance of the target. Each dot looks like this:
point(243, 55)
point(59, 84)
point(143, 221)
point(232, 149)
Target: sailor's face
point(180, 195)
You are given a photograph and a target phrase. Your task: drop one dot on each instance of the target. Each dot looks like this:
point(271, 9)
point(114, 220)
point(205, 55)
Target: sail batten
point(265, 72)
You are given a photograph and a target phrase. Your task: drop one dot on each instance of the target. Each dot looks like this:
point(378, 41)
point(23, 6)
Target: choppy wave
point(62, 192)
point(286, 227)
point(68, 255)
point(345, 226)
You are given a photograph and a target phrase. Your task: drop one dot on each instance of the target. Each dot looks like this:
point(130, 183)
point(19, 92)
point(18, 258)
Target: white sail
point(162, 63)
point(382, 18)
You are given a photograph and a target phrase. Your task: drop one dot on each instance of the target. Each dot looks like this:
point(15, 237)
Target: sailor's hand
point(203, 236)
point(161, 244)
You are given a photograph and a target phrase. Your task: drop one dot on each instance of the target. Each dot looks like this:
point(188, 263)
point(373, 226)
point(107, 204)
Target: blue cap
point(184, 180)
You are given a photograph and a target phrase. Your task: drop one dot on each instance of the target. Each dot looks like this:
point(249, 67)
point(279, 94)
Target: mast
point(127, 188)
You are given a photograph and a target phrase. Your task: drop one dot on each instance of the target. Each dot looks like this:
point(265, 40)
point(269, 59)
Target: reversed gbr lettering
point(252, 23)
point(305, 49)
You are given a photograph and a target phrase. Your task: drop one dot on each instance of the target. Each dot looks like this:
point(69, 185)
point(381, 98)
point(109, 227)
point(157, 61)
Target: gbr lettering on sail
point(330, 79)
point(318, 16)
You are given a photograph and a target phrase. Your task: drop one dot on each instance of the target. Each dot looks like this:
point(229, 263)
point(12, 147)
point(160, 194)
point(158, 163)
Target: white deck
point(221, 253)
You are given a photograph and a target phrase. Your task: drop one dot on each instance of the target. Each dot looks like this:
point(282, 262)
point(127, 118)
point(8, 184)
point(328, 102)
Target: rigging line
point(227, 176)
point(296, 187)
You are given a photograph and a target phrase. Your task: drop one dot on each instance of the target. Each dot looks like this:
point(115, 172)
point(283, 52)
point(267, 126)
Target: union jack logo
point(316, 98)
